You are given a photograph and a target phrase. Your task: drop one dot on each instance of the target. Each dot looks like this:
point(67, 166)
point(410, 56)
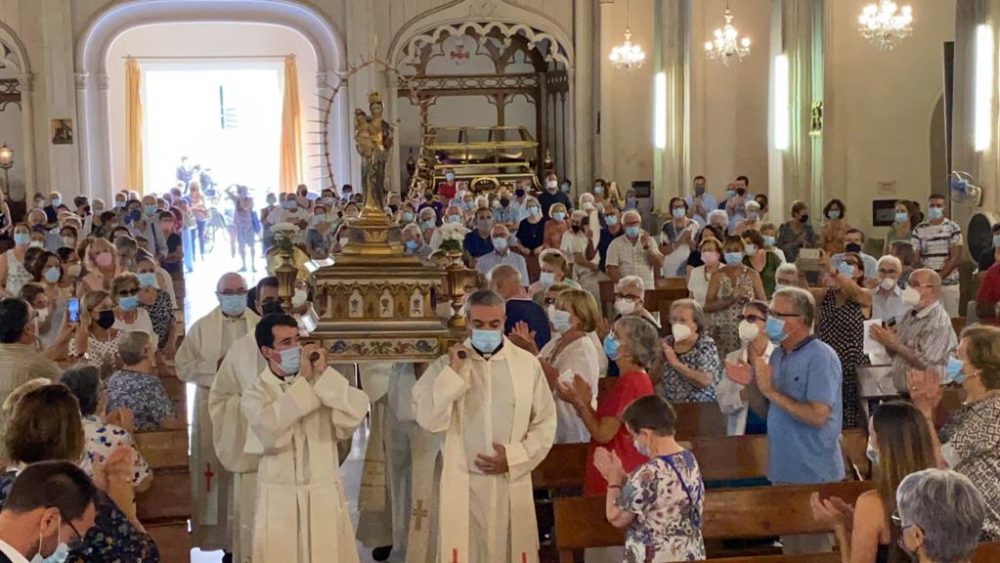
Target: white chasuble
point(504, 400)
point(374, 498)
point(197, 362)
point(238, 371)
point(302, 514)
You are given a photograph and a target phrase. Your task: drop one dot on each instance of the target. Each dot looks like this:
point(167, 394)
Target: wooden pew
point(755, 512)
point(165, 508)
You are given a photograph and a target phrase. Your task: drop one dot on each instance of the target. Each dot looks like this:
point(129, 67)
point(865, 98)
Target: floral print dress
point(666, 495)
point(704, 357)
point(161, 314)
point(726, 321)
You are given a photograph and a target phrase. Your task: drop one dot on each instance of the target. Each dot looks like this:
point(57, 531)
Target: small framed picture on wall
point(62, 131)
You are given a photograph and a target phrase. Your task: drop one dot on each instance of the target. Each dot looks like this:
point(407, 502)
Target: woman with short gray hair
point(135, 387)
point(941, 514)
point(691, 363)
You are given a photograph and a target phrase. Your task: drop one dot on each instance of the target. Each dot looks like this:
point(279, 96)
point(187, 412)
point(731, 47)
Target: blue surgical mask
point(643, 450)
point(611, 220)
point(289, 204)
point(412, 245)
point(733, 258)
point(846, 269)
point(407, 216)
point(872, 454)
point(611, 347)
point(902, 216)
point(59, 555)
point(427, 224)
point(449, 176)
point(560, 320)
point(546, 279)
point(935, 212)
point(559, 215)
point(147, 279)
point(564, 187)
point(768, 241)
point(149, 209)
point(233, 305)
point(534, 211)
point(52, 274)
point(290, 360)
point(833, 214)
point(56, 202)
point(454, 218)
point(678, 212)
point(632, 231)
point(128, 303)
point(486, 341)
point(750, 249)
point(775, 329)
point(22, 239)
point(730, 194)
point(500, 243)
point(954, 370)
point(996, 241)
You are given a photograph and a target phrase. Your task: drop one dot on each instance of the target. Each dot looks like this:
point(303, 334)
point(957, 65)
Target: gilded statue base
point(383, 311)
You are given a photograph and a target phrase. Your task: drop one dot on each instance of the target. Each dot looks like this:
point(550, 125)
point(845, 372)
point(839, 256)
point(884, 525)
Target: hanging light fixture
point(628, 55)
point(885, 24)
point(727, 45)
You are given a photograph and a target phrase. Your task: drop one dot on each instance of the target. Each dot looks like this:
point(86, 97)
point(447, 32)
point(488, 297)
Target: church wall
point(729, 105)
point(226, 40)
point(878, 109)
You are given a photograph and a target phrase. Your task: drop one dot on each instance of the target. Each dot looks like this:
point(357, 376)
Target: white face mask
point(624, 307)
point(748, 331)
point(299, 298)
point(681, 332)
point(910, 296)
point(887, 284)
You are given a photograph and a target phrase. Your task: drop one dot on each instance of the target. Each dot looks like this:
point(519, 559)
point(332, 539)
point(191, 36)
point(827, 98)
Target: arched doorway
point(102, 30)
point(20, 84)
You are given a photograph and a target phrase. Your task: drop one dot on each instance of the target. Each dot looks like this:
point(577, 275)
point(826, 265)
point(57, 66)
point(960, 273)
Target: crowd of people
point(784, 345)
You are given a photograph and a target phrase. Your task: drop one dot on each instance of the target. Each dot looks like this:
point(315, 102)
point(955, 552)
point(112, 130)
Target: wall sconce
point(6, 163)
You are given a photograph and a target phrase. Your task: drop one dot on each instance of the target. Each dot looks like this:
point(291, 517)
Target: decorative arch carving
point(545, 43)
point(13, 44)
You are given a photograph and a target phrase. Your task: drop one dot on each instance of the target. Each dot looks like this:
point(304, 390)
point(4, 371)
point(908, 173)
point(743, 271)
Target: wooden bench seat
point(165, 508)
point(754, 512)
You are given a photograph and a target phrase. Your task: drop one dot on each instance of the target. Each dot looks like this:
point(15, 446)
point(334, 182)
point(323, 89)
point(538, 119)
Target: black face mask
point(519, 193)
point(575, 227)
point(853, 247)
point(504, 201)
point(271, 306)
point(106, 319)
point(804, 218)
point(393, 207)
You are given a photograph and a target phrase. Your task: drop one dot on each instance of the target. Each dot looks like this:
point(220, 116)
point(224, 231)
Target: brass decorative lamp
point(6, 163)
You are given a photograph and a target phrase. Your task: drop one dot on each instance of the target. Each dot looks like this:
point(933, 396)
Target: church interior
point(500, 280)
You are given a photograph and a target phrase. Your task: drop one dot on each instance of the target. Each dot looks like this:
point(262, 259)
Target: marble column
point(608, 36)
point(581, 99)
point(59, 94)
point(26, 83)
point(671, 56)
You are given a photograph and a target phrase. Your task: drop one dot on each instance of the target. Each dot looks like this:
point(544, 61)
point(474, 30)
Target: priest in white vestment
point(375, 500)
point(297, 409)
point(493, 403)
point(197, 360)
point(237, 373)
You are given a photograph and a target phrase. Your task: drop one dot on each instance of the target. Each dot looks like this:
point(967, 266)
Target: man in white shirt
point(580, 248)
point(633, 254)
point(50, 506)
point(888, 307)
point(290, 212)
point(701, 203)
point(501, 254)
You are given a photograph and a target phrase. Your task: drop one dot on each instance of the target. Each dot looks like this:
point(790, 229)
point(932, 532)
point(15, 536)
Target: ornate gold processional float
point(375, 302)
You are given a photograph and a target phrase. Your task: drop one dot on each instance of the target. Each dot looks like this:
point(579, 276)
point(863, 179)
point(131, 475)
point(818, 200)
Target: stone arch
point(26, 83)
point(104, 27)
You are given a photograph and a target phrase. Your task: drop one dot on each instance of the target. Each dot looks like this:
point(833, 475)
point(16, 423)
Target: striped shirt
point(934, 242)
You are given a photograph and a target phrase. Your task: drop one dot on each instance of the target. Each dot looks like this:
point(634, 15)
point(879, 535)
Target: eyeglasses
point(240, 292)
point(77, 542)
point(897, 520)
point(751, 318)
point(128, 292)
point(887, 272)
point(633, 298)
point(774, 313)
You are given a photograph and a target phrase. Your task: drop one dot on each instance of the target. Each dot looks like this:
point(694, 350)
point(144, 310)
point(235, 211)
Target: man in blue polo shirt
point(477, 242)
point(802, 387)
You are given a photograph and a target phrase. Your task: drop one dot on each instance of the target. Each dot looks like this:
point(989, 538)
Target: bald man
point(198, 359)
point(519, 307)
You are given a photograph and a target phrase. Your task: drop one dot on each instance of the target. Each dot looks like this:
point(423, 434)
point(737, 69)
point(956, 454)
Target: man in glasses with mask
point(505, 425)
point(47, 512)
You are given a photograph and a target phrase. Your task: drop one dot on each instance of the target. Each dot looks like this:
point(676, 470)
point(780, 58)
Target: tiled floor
point(200, 285)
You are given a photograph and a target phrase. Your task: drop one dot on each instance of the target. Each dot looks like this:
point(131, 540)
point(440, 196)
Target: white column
point(84, 133)
point(581, 97)
point(671, 56)
point(608, 35)
point(101, 166)
point(26, 84)
point(60, 96)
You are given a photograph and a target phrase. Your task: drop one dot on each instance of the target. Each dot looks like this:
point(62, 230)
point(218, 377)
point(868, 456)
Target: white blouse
point(579, 357)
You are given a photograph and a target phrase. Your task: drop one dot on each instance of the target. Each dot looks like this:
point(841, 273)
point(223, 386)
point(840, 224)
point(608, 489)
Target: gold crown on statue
point(374, 98)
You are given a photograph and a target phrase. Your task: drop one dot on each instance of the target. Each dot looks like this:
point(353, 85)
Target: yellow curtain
point(291, 130)
point(133, 125)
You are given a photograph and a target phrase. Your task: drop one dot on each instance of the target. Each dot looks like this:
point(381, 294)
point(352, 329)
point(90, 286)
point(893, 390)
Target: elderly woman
point(730, 288)
point(554, 269)
point(752, 221)
point(796, 233)
point(940, 514)
point(95, 338)
point(46, 425)
point(691, 365)
point(732, 391)
point(844, 306)
point(762, 261)
point(13, 271)
point(677, 239)
point(572, 352)
point(630, 292)
point(128, 315)
point(135, 387)
point(556, 226)
point(321, 233)
point(968, 442)
point(898, 444)
point(769, 233)
point(156, 302)
point(101, 261)
point(101, 437)
point(787, 275)
point(632, 345)
point(531, 230)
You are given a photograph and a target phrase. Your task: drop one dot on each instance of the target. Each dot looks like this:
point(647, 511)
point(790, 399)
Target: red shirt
point(989, 290)
point(447, 190)
point(629, 387)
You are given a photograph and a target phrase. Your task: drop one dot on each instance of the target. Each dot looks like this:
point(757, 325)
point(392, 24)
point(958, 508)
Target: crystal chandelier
point(727, 46)
point(628, 55)
point(884, 24)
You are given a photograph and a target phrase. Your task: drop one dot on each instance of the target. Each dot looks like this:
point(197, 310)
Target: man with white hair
point(413, 242)
point(799, 392)
point(941, 515)
point(787, 275)
point(634, 254)
point(427, 220)
point(579, 246)
point(888, 307)
point(719, 218)
point(491, 401)
point(198, 360)
point(502, 255)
